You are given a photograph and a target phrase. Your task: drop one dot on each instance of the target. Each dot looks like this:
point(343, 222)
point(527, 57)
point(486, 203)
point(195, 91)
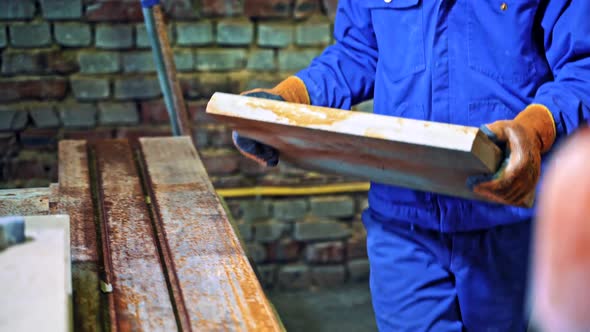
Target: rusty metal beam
point(74, 198)
point(218, 286)
point(140, 294)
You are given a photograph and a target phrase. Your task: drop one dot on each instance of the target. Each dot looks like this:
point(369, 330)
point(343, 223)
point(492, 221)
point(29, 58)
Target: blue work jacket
point(467, 62)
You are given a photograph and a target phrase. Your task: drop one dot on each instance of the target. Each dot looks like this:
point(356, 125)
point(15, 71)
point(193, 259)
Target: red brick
point(31, 164)
point(220, 136)
point(133, 133)
point(43, 139)
point(116, 10)
point(90, 135)
point(267, 8)
point(24, 169)
point(180, 9)
point(278, 180)
point(198, 113)
point(205, 85)
point(60, 62)
point(32, 88)
point(330, 7)
point(8, 143)
point(40, 62)
point(305, 8)
point(230, 181)
point(251, 168)
point(326, 252)
point(214, 8)
point(154, 111)
point(220, 162)
point(285, 250)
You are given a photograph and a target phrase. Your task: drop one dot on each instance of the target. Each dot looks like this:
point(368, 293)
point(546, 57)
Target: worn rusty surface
point(75, 199)
point(72, 196)
point(53, 198)
point(174, 263)
point(86, 300)
point(215, 281)
point(422, 155)
point(24, 202)
point(140, 292)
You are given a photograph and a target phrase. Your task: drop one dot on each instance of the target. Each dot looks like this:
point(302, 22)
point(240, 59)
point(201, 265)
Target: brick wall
point(305, 241)
point(75, 69)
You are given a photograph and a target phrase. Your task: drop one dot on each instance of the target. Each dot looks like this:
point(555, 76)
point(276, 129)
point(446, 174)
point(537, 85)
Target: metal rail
point(164, 60)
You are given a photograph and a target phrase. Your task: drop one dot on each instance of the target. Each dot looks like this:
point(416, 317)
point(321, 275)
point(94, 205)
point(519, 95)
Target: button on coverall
point(441, 263)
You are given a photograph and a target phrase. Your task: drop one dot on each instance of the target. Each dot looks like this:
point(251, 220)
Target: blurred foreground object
point(561, 274)
point(35, 278)
point(423, 155)
point(12, 231)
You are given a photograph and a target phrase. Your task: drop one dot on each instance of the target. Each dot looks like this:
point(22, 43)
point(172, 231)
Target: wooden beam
point(422, 155)
point(211, 273)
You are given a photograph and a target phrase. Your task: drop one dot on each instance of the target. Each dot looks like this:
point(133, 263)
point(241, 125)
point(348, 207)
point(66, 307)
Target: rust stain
point(75, 199)
point(24, 202)
point(303, 115)
point(374, 133)
point(140, 294)
point(219, 288)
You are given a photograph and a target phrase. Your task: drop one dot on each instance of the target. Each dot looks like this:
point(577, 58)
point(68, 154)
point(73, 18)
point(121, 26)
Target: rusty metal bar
point(74, 198)
point(218, 285)
point(140, 294)
point(182, 316)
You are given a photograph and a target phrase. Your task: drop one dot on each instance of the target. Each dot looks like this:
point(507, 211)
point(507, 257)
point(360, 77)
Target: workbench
point(151, 245)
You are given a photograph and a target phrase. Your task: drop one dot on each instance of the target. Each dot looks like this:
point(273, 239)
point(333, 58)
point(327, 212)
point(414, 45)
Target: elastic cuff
point(292, 90)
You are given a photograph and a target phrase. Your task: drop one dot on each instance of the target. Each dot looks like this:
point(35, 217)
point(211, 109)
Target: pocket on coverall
point(399, 30)
point(500, 38)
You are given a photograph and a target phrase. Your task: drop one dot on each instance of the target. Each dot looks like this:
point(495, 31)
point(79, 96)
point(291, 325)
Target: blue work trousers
point(423, 280)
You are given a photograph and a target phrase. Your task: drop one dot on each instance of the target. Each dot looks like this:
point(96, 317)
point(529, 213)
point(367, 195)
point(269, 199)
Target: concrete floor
point(342, 309)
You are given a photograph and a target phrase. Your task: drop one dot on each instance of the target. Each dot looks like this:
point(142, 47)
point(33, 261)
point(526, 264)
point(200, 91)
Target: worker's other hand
point(525, 138)
point(291, 90)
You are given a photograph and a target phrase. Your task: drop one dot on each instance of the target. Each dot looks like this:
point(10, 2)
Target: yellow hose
point(294, 191)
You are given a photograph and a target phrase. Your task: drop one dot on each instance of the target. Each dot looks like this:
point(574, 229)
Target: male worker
point(520, 69)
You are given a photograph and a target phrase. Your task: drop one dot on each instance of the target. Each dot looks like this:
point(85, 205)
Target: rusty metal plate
point(132, 262)
point(75, 199)
point(24, 202)
point(213, 278)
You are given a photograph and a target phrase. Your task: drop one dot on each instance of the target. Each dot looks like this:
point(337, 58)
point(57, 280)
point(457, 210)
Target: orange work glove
point(527, 137)
point(291, 90)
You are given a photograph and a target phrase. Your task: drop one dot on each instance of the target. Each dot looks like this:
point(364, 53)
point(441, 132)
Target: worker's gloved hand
point(526, 138)
point(291, 90)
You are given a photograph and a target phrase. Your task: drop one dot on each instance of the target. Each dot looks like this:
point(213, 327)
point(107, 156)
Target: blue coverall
point(440, 263)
